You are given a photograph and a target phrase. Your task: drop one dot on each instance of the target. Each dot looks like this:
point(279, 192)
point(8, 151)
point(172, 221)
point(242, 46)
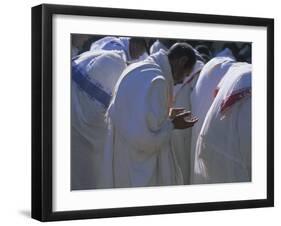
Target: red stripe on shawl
point(234, 97)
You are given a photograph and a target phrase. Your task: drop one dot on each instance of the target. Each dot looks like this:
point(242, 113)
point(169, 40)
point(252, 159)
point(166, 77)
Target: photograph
point(150, 111)
point(140, 112)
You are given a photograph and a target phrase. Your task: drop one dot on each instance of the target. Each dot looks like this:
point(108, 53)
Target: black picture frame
point(42, 107)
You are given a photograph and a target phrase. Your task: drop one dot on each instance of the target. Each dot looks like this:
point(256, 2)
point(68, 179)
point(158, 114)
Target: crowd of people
point(155, 112)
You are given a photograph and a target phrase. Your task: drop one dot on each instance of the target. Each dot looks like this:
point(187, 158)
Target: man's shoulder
point(144, 67)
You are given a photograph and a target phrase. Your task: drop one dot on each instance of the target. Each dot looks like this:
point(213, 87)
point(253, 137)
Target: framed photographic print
point(145, 112)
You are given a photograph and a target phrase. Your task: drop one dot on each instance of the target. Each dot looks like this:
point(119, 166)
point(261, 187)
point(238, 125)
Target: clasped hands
point(181, 118)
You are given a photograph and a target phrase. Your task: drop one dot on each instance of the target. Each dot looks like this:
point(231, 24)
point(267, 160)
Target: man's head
point(137, 47)
point(245, 53)
point(182, 59)
point(233, 47)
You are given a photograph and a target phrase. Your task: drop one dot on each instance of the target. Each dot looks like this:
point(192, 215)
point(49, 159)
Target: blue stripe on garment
point(92, 90)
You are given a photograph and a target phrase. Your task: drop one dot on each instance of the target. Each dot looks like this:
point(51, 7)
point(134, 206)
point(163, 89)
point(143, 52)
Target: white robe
point(223, 150)
point(181, 139)
point(74, 51)
point(117, 43)
point(156, 46)
point(113, 43)
point(203, 93)
point(138, 151)
point(88, 128)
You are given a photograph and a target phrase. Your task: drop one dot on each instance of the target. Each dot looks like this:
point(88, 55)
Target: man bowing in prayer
point(94, 75)
point(223, 150)
point(203, 93)
point(138, 150)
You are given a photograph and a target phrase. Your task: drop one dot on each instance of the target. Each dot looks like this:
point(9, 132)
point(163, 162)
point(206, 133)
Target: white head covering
point(226, 53)
point(101, 68)
point(240, 90)
point(113, 43)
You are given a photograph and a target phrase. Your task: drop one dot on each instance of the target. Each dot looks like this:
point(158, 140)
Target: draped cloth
point(117, 43)
point(138, 150)
point(223, 150)
point(113, 43)
point(156, 46)
point(181, 139)
point(203, 93)
point(93, 78)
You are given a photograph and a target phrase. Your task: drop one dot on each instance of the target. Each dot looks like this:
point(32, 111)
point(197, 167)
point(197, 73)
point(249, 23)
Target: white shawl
point(138, 148)
point(223, 151)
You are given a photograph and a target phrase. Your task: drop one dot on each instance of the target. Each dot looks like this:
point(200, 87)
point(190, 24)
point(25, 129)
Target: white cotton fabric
point(88, 128)
point(181, 139)
point(202, 95)
point(223, 150)
point(74, 51)
point(138, 151)
point(225, 53)
point(156, 46)
point(113, 43)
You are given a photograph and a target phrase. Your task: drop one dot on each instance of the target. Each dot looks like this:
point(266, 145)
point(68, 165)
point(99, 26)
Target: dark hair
point(179, 50)
point(245, 53)
point(203, 49)
point(167, 42)
point(140, 42)
point(233, 47)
